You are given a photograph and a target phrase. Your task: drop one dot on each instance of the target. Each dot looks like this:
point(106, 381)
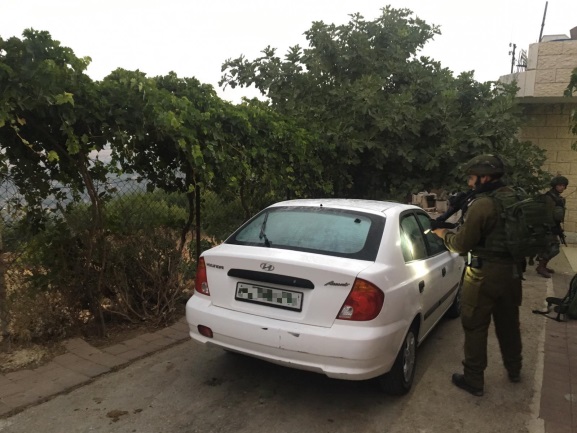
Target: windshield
point(336, 232)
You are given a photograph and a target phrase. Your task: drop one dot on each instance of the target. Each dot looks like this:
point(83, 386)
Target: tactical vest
point(559, 209)
point(524, 227)
point(494, 244)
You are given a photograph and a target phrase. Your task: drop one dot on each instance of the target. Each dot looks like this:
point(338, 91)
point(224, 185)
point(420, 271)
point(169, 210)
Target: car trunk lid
point(287, 285)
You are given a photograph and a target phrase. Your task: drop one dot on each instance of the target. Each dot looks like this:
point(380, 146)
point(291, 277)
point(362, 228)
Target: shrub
point(144, 211)
point(133, 271)
point(220, 217)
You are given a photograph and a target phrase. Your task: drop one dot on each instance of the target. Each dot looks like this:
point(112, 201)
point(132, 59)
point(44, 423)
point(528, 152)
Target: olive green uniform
point(491, 288)
point(556, 204)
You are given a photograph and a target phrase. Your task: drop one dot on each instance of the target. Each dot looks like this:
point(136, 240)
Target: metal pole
point(543, 23)
point(513, 57)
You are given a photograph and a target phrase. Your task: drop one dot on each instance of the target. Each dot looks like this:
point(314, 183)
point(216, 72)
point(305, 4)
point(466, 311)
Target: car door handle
point(444, 272)
point(421, 286)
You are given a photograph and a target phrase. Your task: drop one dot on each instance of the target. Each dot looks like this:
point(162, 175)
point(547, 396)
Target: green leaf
point(53, 156)
point(64, 98)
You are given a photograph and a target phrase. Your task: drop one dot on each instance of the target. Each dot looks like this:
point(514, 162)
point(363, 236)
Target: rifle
point(457, 202)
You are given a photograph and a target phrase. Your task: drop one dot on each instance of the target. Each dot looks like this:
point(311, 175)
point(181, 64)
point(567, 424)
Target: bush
point(68, 277)
point(219, 218)
point(71, 277)
point(144, 211)
point(43, 296)
point(146, 277)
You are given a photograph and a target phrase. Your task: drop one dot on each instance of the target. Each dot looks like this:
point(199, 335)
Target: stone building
point(549, 65)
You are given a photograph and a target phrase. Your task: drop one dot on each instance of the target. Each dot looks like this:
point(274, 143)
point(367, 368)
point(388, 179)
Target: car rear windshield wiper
point(262, 233)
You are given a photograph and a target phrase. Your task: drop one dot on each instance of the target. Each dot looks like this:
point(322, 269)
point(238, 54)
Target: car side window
point(412, 241)
point(436, 244)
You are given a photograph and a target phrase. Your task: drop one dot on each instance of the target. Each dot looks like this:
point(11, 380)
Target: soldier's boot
point(542, 269)
point(459, 381)
point(515, 377)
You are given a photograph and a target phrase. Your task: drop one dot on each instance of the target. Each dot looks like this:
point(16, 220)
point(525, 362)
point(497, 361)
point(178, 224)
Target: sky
point(193, 38)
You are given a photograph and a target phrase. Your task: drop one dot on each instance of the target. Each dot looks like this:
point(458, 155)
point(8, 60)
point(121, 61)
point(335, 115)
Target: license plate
point(279, 298)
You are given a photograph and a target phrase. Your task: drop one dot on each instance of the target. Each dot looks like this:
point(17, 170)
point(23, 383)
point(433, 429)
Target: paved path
point(558, 399)
point(556, 404)
point(80, 365)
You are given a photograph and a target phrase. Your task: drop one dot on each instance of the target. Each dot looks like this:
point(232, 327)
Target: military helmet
point(485, 165)
point(559, 180)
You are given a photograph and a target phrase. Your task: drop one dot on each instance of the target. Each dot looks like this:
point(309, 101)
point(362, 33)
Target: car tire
point(399, 380)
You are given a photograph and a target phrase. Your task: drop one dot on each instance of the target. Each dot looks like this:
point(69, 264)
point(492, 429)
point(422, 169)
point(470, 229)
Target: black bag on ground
point(566, 307)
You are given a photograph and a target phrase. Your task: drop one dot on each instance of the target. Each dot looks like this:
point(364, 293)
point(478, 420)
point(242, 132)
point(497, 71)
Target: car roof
point(345, 203)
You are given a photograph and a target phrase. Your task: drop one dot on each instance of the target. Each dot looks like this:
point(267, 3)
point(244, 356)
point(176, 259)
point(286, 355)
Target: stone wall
point(549, 68)
point(541, 86)
point(555, 63)
point(548, 128)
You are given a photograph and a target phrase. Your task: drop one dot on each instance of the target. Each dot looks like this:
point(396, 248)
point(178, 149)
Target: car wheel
point(454, 310)
point(399, 380)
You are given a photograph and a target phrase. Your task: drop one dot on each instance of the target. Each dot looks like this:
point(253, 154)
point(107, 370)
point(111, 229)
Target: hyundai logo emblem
point(267, 267)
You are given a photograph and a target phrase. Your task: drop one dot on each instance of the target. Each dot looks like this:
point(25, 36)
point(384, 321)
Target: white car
point(346, 288)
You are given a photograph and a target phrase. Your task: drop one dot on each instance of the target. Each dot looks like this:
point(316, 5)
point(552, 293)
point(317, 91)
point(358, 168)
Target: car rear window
point(335, 232)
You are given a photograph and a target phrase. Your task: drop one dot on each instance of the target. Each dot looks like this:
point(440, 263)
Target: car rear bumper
point(346, 350)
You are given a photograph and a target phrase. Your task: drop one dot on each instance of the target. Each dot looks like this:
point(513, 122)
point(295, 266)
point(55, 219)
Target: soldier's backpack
point(528, 224)
point(565, 307)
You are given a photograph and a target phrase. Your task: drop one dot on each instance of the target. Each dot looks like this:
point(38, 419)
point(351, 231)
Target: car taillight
point(363, 303)
point(201, 283)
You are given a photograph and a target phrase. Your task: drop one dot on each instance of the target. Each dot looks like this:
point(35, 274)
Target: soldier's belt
point(477, 262)
point(474, 262)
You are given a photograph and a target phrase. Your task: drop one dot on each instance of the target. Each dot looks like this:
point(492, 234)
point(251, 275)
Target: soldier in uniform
point(557, 204)
point(492, 281)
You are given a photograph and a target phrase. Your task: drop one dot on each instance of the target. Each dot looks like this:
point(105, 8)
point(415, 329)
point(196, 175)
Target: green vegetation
point(571, 89)
point(358, 113)
point(389, 121)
